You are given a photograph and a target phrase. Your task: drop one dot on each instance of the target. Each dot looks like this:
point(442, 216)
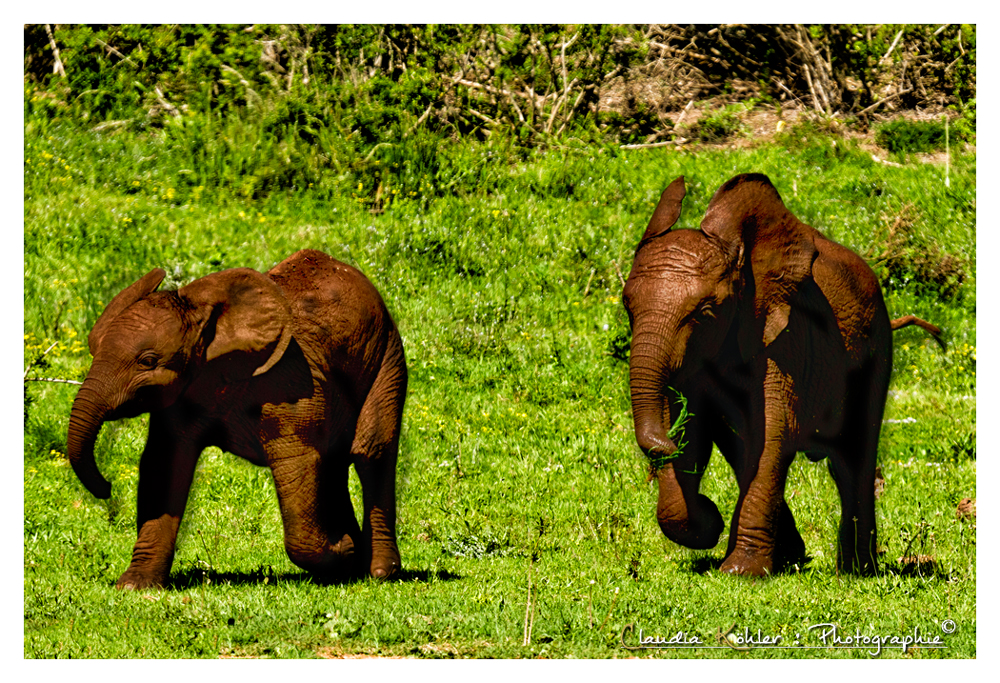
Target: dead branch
point(115, 52)
point(52, 379)
point(423, 117)
point(619, 271)
point(887, 163)
point(572, 110)
point(648, 145)
point(891, 47)
point(530, 96)
point(812, 88)
point(513, 103)
point(560, 101)
point(483, 116)
point(57, 66)
point(820, 67)
point(110, 124)
point(883, 101)
point(163, 102)
point(684, 113)
point(39, 359)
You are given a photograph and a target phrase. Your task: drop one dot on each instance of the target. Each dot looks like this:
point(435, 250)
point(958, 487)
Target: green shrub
point(905, 136)
point(718, 125)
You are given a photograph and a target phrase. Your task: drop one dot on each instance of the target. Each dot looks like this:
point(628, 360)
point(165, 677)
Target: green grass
point(526, 523)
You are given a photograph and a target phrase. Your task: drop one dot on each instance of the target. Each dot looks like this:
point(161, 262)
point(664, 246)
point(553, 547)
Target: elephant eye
point(147, 361)
point(706, 311)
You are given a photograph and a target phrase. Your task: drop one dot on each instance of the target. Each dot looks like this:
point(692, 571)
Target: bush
point(718, 126)
point(904, 136)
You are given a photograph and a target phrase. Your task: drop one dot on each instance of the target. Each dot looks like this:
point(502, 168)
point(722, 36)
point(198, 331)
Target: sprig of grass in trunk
point(676, 435)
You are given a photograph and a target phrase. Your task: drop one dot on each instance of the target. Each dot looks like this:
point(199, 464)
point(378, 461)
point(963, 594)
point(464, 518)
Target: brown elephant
point(778, 340)
point(300, 369)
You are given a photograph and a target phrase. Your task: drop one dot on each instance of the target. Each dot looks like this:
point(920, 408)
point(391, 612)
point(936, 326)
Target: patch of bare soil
point(763, 122)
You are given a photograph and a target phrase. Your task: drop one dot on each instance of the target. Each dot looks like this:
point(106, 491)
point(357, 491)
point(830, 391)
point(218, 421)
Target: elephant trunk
point(88, 415)
point(650, 369)
point(685, 516)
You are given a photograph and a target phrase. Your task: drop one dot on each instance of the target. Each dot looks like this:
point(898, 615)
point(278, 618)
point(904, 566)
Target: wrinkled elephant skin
point(300, 369)
point(780, 342)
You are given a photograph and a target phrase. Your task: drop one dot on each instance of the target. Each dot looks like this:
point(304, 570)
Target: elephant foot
point(854, 557)
point(747, 562)
point(855, 565)
point(336, 562)
point(789, 555)
point(385, 563)
point(384, 571)
point(135, 579)
point(789, 548)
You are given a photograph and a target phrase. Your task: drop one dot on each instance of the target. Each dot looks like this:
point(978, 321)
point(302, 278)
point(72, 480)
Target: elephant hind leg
point(374, 453)
point(853, 469)
point(789, 548)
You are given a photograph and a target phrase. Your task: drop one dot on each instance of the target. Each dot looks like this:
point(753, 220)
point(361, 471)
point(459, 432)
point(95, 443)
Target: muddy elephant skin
point(300, 370)
point(779, 341)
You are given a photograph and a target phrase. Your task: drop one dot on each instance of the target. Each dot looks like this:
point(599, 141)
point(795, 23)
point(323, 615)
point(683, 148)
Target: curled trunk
point(685, 516)
point(85, 421)
point(649, 371)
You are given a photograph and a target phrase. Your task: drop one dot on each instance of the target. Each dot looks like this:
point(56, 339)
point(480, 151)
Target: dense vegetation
point(526, 522)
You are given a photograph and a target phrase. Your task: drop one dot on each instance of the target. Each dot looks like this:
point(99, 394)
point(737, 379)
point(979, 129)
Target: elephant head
point(148, 345)
point(704, 299)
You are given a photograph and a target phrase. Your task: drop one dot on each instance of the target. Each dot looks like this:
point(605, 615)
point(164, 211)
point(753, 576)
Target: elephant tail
point(908, 320)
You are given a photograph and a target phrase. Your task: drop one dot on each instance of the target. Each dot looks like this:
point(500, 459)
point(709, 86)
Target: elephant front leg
point(789, 546)
point(321, 532)
point(763, 536)
point(763, 533)
point(165, 473)
point(854, 474)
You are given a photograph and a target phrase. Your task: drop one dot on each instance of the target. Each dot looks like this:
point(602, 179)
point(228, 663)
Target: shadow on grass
point(700, 564)
point(703, 564)
point(921, 567)
point(196, 576)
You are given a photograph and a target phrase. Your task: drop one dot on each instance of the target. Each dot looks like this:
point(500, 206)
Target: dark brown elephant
point(301, 370)
point(779, 341)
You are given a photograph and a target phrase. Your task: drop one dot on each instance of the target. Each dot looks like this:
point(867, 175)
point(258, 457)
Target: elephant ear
point(246, 320)
point(667, 211)
point(142, 287)
point(775, 252)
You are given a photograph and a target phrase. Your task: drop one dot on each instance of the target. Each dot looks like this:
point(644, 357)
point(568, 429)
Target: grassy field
point(526, 523)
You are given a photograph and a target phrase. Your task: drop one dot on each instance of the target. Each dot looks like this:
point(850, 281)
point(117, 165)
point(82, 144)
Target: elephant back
point(340, 320)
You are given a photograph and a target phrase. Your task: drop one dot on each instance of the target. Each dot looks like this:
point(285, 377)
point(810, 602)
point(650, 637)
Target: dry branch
point(883, 101)
point(530, 96)
point(891, 47)
point(423, 117)
point(57, 66)
point(110, 124)
point(243, 81)
point(52, 379)
point(163, 102)
point(647, 145)
point(115, 52)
